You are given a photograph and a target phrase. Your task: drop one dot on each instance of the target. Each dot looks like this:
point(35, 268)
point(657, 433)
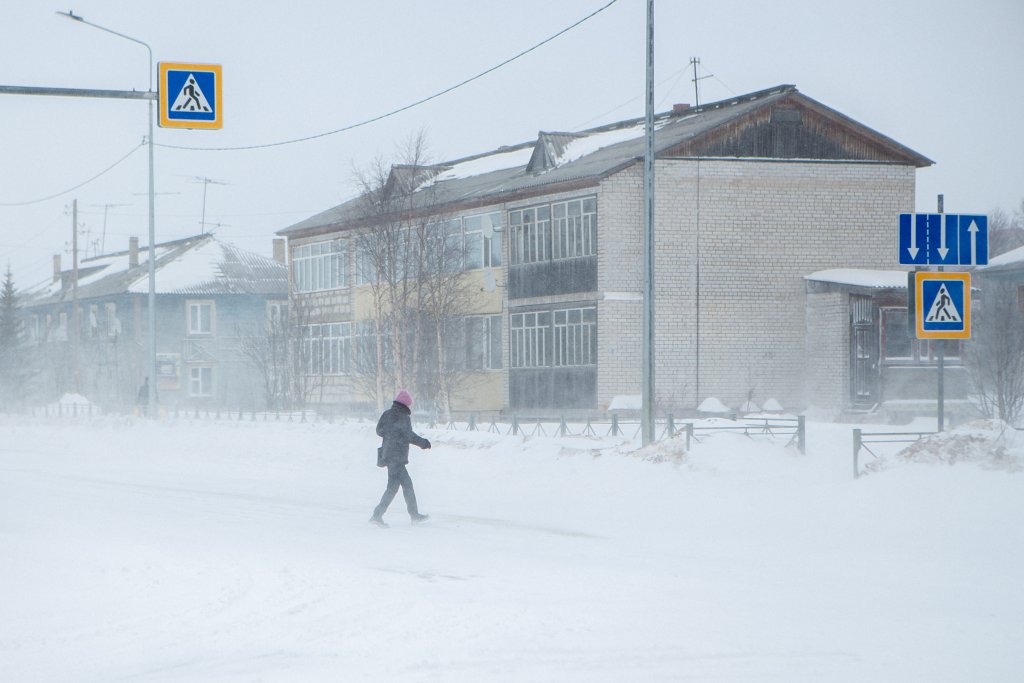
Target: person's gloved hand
point(426, 444)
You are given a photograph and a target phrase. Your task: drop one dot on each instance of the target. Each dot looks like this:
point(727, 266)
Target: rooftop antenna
point(695, 62)
point(105, 207)
point(206, 181)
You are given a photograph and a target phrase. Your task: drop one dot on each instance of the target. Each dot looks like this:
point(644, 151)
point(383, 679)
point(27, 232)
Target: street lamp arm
point(75, 17)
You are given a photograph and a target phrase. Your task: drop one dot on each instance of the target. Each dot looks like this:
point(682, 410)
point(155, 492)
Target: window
point(483, 342)
point(896, 340)
point(113, 324)
point(94, 320)
point(482, 251)
point(365, 346)
point(366, 267)
point(575, 228)
point(326, 348)
point(277, 313)
point(561, 230)
point(320, 265)
point(529, 234)
point(200, 318)
point(575, 334)
point(529, 339)
point(200, 381)
point(899, 344)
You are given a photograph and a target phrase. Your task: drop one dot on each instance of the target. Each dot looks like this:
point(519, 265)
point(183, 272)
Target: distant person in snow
point(142, 400)
point(395, 427)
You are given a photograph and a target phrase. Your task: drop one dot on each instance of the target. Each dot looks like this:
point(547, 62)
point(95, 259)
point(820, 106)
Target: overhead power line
point(81, 184)
point(400, 109)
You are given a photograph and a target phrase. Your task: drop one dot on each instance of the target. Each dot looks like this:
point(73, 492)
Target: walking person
point(395, 427)
point(142, 400)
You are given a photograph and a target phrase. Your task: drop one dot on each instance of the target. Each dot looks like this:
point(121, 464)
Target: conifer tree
point(13, 373)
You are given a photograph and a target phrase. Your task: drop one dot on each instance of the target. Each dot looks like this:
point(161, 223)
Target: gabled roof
point(200, 265)
point(747, 126)
point(1010, 261)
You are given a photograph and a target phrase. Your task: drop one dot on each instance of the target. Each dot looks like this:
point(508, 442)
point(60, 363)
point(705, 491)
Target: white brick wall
point(762, 226)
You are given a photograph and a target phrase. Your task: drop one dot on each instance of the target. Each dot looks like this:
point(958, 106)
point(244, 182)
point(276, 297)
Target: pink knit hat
point(405, 398)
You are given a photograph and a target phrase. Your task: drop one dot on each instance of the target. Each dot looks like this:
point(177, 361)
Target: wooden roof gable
point(796, 127)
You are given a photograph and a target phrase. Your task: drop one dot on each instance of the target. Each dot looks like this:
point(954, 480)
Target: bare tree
point(411, 254)
point(995, 355)
point(268, 349)
point(1005, 230)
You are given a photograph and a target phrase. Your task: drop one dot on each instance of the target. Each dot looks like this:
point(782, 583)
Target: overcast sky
point(941, 77)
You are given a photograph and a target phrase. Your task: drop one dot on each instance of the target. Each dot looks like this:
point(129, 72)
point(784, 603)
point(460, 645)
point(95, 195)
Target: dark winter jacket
point(395, 426)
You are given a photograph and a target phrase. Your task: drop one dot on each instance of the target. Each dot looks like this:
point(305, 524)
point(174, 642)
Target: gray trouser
point(397, 476)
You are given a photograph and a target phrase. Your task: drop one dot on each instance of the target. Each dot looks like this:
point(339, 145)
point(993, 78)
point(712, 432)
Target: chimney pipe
point(56, 267)
point(279, 251)
point(133, 252)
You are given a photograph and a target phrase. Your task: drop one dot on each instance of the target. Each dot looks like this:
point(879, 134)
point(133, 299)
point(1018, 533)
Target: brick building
point(752, 194)
point(210, 295)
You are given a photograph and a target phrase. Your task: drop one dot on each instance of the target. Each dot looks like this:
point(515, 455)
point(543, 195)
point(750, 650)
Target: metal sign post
point(939, 303)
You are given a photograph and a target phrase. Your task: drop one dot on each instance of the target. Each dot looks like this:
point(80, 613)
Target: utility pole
point(941, 349)
point(76, 326)
point(647, 399)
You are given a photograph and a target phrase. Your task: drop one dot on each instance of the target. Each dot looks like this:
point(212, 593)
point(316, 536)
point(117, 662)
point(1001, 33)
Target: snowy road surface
point(240, 551)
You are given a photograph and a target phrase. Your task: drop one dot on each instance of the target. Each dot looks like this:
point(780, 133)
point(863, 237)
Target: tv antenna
point(105, 207)
point(205, 181)
point(695, 62)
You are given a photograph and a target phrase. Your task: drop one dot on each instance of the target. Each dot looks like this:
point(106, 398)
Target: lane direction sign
point(943, 239)
point(913, 238)
point(190, 95)
point(942, 305)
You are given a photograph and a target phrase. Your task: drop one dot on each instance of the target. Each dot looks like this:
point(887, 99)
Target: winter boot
point(419, 519)
point(378, 521)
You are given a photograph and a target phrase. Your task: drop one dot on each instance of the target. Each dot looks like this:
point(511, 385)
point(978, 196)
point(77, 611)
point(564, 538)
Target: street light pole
point(648, 416)
point(151, 362)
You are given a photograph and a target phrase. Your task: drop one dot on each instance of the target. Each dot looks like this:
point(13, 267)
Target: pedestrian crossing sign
point(190, 95)
point(942, 305)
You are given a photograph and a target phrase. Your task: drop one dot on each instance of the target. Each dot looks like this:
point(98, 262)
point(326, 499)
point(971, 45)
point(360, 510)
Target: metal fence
point(862, 441)
point(613, 425)
point(562, 426)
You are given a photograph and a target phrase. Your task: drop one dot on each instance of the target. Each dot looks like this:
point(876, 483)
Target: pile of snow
point(627, 402)
point(990, 444)
point(74, 403)
point(713, 405)
point(772, 406)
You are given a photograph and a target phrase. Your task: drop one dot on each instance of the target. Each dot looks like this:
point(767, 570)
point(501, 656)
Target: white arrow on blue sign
point(943, 239)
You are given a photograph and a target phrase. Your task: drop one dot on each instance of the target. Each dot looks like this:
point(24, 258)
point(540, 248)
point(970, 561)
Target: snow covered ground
point(230, 551)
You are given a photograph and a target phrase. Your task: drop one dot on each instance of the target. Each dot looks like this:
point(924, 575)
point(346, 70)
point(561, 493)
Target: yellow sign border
point(919, 305)
point(163, 95)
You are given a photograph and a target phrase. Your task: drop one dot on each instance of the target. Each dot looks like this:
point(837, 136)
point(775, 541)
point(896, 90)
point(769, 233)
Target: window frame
point(327, 349)
point(193, 379)
point(320, 266)
point(195, 323)
point(574, 337)
point(530, 339)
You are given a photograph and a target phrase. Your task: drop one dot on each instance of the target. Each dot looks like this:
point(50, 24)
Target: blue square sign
point(190, 95)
